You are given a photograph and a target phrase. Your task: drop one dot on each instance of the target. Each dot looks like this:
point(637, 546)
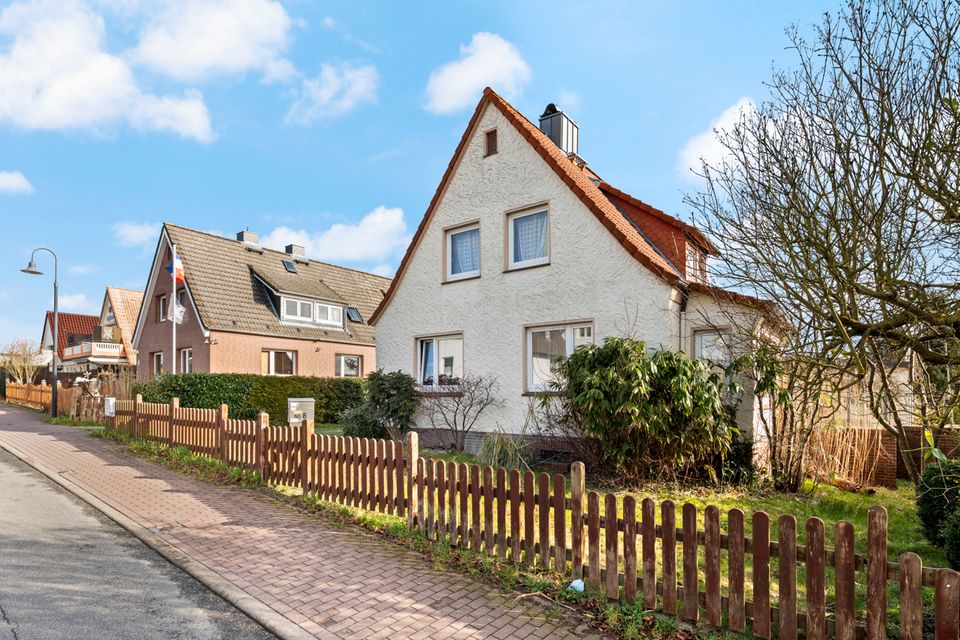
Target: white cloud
point(76, 302)
point(386, 269)
point(83, 269)
point(14, 182)
point(336, 91)
point(569, 101)
point(381, 234)
point(706, 146)
point(56, 74)
point(198, 39)
point(488, 60)
point(136, 234)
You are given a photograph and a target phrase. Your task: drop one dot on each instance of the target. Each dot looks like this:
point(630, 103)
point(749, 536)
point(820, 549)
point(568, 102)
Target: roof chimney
point(249, 238)
point(560, 128)
point(295, 251)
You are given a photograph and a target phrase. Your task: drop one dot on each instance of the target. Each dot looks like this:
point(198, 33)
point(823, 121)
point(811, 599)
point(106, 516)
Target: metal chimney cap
point(550, 110)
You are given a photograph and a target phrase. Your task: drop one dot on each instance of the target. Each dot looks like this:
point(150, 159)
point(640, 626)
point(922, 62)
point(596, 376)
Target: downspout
point(682, 315)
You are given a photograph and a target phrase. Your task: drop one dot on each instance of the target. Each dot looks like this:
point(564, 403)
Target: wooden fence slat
point(452, 523)
point(577, 489)
point(761, 574)
point(736, 567)
point(422, 515)
point(441, 499)
point(911, 597)
point(668, 521)
point(560, 523)
point(412, 449)
point(630, 549)
point(431, 499)
point(593, 539)
point(475, 530)
point(649, 546)
point(357, 466)
point(816, 580)
point(691, 599)
point(529, 528)
point(543, 512)
point(876, 573)
point(947, 604)
point(488, 494)
point(787, 569)
point(611, 555)
point(502, 508)
point(388, 470)
point(464, 476)
point(401, 452)
point(711, 544)
point(515, 516)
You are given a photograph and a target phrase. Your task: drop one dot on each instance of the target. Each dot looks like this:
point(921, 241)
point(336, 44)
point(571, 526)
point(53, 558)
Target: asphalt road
point(67, 572)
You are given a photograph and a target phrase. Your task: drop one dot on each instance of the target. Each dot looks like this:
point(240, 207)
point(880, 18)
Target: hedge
point(249, 394)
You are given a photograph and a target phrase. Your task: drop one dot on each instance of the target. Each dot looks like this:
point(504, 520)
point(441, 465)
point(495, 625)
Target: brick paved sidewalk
point(333, 582)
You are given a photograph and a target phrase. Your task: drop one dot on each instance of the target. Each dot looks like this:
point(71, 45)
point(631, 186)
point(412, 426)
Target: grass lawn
point(328, 429)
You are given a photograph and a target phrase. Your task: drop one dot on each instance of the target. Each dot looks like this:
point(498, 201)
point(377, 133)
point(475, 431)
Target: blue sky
point(330, 123)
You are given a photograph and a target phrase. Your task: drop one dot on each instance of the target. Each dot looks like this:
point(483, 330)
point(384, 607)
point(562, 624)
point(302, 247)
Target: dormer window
point(297, 310)
point(696, 264)
point(330, 315)
point(309, 312)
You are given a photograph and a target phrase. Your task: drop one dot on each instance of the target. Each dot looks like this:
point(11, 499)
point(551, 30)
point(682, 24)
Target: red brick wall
point(240, 353)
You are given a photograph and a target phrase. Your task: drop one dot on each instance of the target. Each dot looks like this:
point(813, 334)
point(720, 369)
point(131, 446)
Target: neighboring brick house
point(524, 253)
point(249, 309)
point(110, 345)
point(72, 329)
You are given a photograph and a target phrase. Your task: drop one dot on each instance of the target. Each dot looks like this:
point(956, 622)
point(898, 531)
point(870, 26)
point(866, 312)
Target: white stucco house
point(524, 253)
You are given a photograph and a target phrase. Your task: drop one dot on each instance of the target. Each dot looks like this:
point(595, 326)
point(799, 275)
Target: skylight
point(290, 267)
point(354, 315)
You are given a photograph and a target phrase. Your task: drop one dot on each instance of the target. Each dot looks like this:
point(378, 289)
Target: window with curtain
point(463, 253)
point(547, 346)
point(712, 345)
point(440, 361)
point(529, 234)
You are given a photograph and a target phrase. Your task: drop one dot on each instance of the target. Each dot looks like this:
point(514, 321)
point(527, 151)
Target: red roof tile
point(77, 324)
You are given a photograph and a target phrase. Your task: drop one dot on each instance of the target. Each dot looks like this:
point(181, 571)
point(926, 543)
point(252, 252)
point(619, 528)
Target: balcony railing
point(92, 349)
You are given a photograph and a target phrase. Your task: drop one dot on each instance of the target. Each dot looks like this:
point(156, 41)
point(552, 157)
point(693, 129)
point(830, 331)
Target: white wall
point(591, 276)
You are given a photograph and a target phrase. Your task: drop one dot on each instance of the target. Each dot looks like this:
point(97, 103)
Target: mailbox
point(109, 407)
point(299, 411)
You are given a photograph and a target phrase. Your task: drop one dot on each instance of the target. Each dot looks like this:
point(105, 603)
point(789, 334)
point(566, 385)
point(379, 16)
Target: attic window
point(491, 143)
point(354, 315)
point(289, 266)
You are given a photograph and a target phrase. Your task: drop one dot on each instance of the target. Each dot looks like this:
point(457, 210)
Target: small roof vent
point(560, 128)
point(249, 238)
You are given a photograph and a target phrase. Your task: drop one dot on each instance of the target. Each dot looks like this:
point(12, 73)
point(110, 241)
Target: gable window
point(348, 366)
point(162, 309)
point(547, 346)
point(156, 360)
point(186, 361)
point(528, 239)
point(440, 361)
point(712, 345)
point(696, 264)
point(463, 253)
point(329, 314)
point(490, 141)
point(297, 310)
point(278, 363)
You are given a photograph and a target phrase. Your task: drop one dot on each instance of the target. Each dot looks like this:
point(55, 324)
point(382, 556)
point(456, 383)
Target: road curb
point(274, 622)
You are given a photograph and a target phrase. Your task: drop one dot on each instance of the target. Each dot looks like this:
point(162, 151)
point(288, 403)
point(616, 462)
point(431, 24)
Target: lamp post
point(32, 270)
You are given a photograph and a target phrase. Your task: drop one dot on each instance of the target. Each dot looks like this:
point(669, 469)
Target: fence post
point(577, 489)
point(137, 401)
point(413, 452)
point(263, 421)
point(222, 415)
point(174, 405)
point(305, 432)
point(876, 573)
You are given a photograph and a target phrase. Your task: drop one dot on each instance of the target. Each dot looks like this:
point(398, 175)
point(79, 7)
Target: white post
point(173, 303)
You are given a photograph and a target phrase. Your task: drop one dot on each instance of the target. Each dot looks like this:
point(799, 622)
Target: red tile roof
point(77, 324)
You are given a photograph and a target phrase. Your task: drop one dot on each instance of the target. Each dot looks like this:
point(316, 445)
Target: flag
point(176, 311)
point(176, 269)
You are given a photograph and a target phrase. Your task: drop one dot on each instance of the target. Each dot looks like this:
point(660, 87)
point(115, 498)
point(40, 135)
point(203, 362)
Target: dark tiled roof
point(220, 275)
point(77, 324)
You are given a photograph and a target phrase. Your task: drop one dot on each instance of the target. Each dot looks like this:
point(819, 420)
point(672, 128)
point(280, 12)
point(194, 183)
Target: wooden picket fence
point(38, 396)
point(739, 576)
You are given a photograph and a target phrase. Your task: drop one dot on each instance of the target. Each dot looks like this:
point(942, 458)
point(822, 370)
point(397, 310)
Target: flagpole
point(173, 298)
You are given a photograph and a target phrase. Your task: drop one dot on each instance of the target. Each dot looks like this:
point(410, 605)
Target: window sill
point(439, 392)
point(455, 280)
point(534, 394)
point(526, 267)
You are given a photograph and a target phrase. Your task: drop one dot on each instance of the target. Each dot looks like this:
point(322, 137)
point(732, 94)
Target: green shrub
point(361, 422)
point(393, 400)
point(654, 415)
point(951, 539)
point(938, 497)
point(249, 394)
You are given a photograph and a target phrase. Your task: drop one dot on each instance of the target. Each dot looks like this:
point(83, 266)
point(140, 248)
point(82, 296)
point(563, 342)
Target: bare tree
point(837, 196)
point(458, 409)
point(20, 359)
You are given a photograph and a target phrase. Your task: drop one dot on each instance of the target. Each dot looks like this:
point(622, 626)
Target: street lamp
point(32, 270)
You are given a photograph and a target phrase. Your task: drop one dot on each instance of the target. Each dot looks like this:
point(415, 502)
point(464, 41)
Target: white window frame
point(330, 308)
point(723, 334)
point(339, 369)
point(534, 262)
point(162, 309)
point(296, 318)
point(156, 362)
point(186, 360)
point(569, 328)
point(271, 366)
point(696, 263)
point(436, 359)
point(448, 240)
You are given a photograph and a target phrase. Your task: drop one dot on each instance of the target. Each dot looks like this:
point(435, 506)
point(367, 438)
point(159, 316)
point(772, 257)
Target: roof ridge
point(284, 254)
